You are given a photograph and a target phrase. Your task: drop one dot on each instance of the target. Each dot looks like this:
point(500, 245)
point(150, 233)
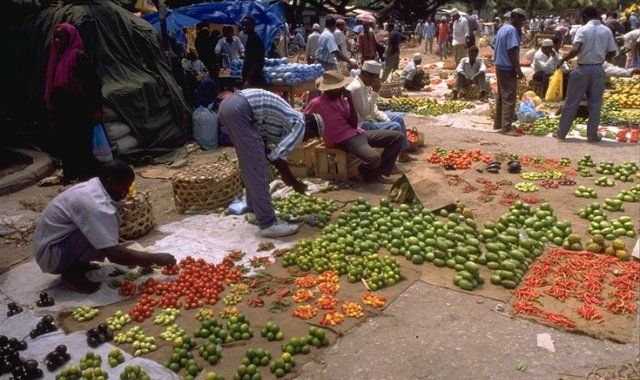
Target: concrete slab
point(40, 167)
point(434, 333)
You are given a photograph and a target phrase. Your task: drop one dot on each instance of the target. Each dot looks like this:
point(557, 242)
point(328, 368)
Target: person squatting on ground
point(335, 105)
point(80, 225)
point(470, 71)
point(413, 77)
point(544, 64)
point(592, 44)
point(253, 117)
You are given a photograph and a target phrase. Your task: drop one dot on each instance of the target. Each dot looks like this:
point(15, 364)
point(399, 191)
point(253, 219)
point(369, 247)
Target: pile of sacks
point(120, 134)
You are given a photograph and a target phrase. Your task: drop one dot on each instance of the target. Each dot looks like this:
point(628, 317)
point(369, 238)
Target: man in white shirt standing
point(418, 32)
point(460, 35)
point(544, 64)
point(471, 70)
point(312, 43)
point(428, 34)
point(363, 94)
point(593, 44)
point(229, 47)
point(327, 50)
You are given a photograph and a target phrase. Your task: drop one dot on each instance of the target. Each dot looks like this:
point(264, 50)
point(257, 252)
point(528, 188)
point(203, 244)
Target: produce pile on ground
point(593, 288)
point(625, 92)
point(313, 210)
point(422, 106)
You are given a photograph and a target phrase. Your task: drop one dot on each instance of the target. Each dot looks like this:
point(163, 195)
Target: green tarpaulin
point(136, 79)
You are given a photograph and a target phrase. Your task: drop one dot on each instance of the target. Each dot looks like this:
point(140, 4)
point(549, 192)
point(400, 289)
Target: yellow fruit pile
point(626, 93)
point(616, 248)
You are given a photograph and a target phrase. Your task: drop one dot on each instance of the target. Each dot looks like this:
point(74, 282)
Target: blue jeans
point(589, 81)
point(396, 124)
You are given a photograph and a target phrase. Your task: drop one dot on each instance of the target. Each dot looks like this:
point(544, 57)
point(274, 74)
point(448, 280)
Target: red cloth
point(335, 115)
point(443, 32)
point(61, 64)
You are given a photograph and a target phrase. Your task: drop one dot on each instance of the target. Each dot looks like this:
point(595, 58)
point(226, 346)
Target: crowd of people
point(80, 225)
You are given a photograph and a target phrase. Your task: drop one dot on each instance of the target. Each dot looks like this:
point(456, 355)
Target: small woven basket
point(413, 137)
point(136, 215)
point(206, 187)
point(471, 92)
point(391, 89)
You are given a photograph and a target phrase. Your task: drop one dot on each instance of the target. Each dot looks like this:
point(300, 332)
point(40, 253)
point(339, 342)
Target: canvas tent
point(136, 79)
point(269, 17)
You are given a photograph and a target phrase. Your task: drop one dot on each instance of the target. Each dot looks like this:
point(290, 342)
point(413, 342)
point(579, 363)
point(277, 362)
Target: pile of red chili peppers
point(601, 282)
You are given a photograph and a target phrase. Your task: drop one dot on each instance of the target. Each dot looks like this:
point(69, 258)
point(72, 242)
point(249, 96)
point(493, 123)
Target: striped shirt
point(277, 122)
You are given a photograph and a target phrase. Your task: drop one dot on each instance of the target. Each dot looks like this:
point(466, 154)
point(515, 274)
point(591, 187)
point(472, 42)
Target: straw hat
point(332, 80)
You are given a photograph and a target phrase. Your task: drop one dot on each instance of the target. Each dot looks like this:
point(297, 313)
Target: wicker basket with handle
point(136, 216)
point(206, 187)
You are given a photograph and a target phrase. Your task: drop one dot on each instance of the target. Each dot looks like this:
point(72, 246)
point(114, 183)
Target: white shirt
point(409, 71)
point(543, 62)
point(233, 50)
point(470, 70)
point(341, 41)
point(632, 37)
point(597, 40)
point(364, 101)
point(86, 207)
point(611, 70)
point(312, 44)
point(460, 31)
point(326, 47)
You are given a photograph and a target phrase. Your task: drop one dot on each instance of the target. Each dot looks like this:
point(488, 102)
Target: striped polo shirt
point(276, 120)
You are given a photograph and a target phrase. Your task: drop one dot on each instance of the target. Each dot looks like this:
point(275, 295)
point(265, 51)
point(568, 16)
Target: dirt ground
point(428, 331)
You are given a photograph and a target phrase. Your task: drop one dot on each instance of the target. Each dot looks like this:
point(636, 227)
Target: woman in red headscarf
point(73, 96)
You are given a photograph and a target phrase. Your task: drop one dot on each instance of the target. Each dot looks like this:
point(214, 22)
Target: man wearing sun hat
point(413, 77)
point(364, 94)
point(253, 117)
point(340, 117)
point(544, 64)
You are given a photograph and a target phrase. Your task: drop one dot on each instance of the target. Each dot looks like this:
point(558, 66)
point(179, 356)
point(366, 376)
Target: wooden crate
point(335, 164)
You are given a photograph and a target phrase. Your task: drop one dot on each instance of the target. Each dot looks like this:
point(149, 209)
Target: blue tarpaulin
point(269, 17)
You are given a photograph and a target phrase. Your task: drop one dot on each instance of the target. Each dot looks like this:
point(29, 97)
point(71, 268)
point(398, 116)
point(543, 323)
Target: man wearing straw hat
point(254, 117)
point(335, 105)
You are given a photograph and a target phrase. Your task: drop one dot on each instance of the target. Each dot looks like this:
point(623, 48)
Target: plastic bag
point(554, 91)
point(101, 147)
point(527, 111)
point(205, 128)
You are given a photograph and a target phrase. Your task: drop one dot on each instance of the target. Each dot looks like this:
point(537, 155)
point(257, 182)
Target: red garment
point(335, 115)
point(367, 45)
point(61, 65)
point(443, 32)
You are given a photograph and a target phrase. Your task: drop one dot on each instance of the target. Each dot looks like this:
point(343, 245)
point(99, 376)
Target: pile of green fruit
point(115, 357)
point(585, 192)
point(239, 327)
point(84, 313)
point(314, 210)
point(423, 106)
point(89, 368)
point(181, 357)
point(631, 195)
point(604, 182)
point(167, 316)
point(469, 278)
point(118, 320)
point(134, 372)
point(211, 352)
point(625, 171)
point(272, 332)
point(617, 248)
point(516, 238)
point(257, 357)
point(282, 366)
point(611, 204)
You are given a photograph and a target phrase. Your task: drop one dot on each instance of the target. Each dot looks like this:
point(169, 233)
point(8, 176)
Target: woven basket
point(449, 64)
point(343, 68)
point(391, 89)
point(206, 187)
point(136, 216)
point(471, 92)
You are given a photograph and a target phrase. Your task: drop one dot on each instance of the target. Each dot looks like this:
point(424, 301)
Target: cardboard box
point(302, 160)
point(335, 164)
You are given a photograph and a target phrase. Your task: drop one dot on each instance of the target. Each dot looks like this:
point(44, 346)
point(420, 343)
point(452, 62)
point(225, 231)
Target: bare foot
point(404, 157)
point(79, 283)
